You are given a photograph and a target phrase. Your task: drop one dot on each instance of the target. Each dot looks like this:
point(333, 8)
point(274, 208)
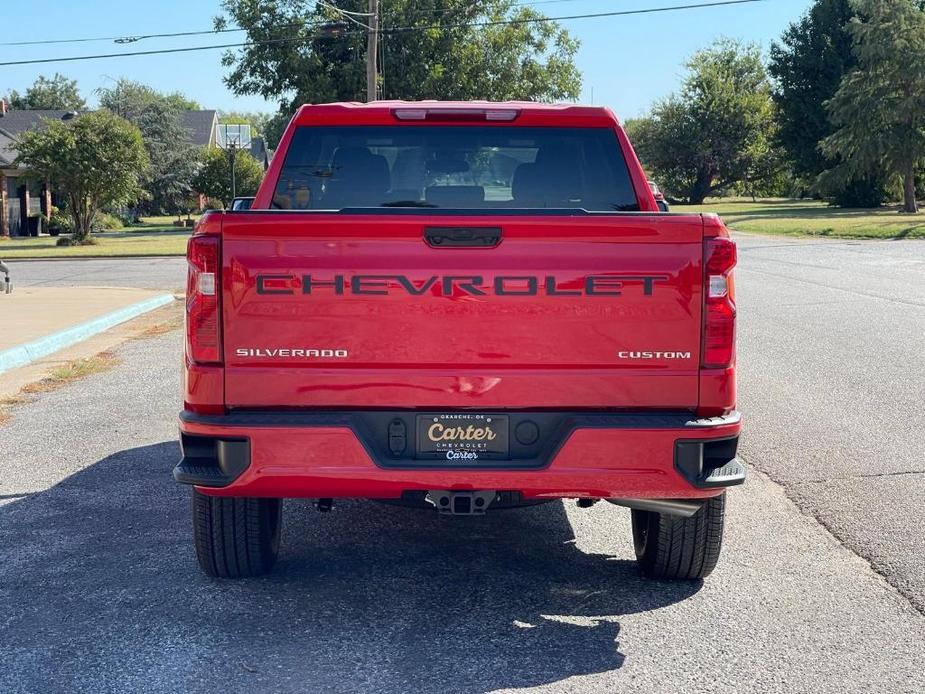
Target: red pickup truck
point(463, 307)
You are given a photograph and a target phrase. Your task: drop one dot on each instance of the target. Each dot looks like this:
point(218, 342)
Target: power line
point(540, 20)
point(133, 38)
point(387, 30)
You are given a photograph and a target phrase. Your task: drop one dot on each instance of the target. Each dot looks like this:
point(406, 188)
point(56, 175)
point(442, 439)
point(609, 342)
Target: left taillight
point(203, 300)
point(719, 317)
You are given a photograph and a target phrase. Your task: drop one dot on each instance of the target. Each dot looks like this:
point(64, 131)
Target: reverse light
point(206, 283)
point(203, 324)
point(719, 310)
point(718, 287)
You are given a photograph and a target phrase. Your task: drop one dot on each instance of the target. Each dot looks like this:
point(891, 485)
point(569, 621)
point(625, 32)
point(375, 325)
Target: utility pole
point(232, 155)
point(372, 50)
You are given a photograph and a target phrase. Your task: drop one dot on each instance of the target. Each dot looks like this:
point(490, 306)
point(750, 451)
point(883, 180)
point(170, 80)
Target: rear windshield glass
point(454, 167)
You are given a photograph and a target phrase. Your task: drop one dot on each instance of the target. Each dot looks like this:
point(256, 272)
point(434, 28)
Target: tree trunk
point(909, 204)
point(701, 188)
point(82, 215)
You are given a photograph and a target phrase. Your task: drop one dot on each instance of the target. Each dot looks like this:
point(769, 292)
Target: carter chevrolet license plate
point(462, 436)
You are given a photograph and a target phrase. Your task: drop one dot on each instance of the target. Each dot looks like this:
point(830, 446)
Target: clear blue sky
point(627, 62)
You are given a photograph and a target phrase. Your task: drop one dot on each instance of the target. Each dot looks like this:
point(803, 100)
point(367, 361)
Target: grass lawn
point(157, 224)
point(154, 236)
point(812, 218)
point(109, 245)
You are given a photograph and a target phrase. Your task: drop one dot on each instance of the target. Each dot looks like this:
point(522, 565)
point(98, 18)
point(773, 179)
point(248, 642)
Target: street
point(821, 585)
point(168, 273)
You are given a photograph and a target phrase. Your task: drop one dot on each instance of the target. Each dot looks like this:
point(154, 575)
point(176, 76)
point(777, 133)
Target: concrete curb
point(29, 352)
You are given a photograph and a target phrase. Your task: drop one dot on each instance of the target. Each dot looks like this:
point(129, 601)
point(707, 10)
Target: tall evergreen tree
point(808, 65)
point(879, 109)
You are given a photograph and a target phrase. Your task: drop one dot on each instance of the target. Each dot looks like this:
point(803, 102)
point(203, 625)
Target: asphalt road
point(832, 383)
point(168, 274)
point(99, 590)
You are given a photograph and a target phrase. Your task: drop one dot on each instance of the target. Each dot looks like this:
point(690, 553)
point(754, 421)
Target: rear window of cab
point(454, 167)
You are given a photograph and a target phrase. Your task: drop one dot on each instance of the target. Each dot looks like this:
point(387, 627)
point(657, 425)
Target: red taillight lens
point(719, 309)
point(203, 293)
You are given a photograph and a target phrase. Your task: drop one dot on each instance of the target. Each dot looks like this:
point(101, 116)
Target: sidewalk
point(38, 321)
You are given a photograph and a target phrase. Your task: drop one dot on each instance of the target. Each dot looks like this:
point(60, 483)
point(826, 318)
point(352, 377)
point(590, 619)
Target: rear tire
point(236, 537)
point(676, 548)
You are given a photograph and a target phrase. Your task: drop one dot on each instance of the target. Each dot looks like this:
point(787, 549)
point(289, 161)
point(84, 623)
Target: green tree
point(129, 99)
point(256, 119)
point(879, 108)
point(807, 66)
point(97, 160)
point(214, 176)
point(174, 160)
point(430, 57)
point(58, 94)
point(715, 133)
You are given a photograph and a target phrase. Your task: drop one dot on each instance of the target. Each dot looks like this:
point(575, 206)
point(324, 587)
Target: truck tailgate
point(359, 310)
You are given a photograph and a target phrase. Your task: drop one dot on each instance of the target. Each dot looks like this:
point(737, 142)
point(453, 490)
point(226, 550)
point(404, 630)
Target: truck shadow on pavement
point(104, 593)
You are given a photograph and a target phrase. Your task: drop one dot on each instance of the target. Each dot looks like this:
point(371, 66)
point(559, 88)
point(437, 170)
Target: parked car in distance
point(460, 307)
point(239, 204)
point(659, 197)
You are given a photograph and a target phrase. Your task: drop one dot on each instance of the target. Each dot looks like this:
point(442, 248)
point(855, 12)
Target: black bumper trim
point(609, 420)
point(372, 429)
point(211, 461)
point(709, 463)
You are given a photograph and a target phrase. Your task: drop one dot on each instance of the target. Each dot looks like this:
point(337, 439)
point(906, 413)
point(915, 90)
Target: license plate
point(462, 436)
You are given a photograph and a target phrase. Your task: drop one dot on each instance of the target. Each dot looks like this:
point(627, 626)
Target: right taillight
point(719, 309)
point(203, 292)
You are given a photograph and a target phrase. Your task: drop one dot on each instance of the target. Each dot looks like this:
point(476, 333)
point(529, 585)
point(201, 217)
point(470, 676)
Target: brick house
point(20, 198)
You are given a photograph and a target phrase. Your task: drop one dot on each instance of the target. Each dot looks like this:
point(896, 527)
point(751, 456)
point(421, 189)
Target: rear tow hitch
point(460, 503)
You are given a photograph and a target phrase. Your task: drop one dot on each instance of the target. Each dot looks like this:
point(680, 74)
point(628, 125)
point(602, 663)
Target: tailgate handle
point(462, 237)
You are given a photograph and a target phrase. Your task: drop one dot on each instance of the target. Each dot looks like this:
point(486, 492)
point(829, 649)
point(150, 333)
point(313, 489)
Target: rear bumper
point(345, 454)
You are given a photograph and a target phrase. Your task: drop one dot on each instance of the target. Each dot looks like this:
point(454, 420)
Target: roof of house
point(15, 122)
point(201, 126)
point(12, 123)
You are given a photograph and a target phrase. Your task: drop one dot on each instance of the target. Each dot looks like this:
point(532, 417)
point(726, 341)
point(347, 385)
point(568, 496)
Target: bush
point(863, 192)
point(213, 204)
point(107, 222)
point(60, 222)
point(126, 217)
point(69, 241)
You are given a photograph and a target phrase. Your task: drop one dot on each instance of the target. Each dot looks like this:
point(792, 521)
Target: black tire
point(236, 537)
point(672, 547)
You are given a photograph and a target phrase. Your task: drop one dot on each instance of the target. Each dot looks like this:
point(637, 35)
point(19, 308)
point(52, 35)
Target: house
point(202, 127)
point(20, 198)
